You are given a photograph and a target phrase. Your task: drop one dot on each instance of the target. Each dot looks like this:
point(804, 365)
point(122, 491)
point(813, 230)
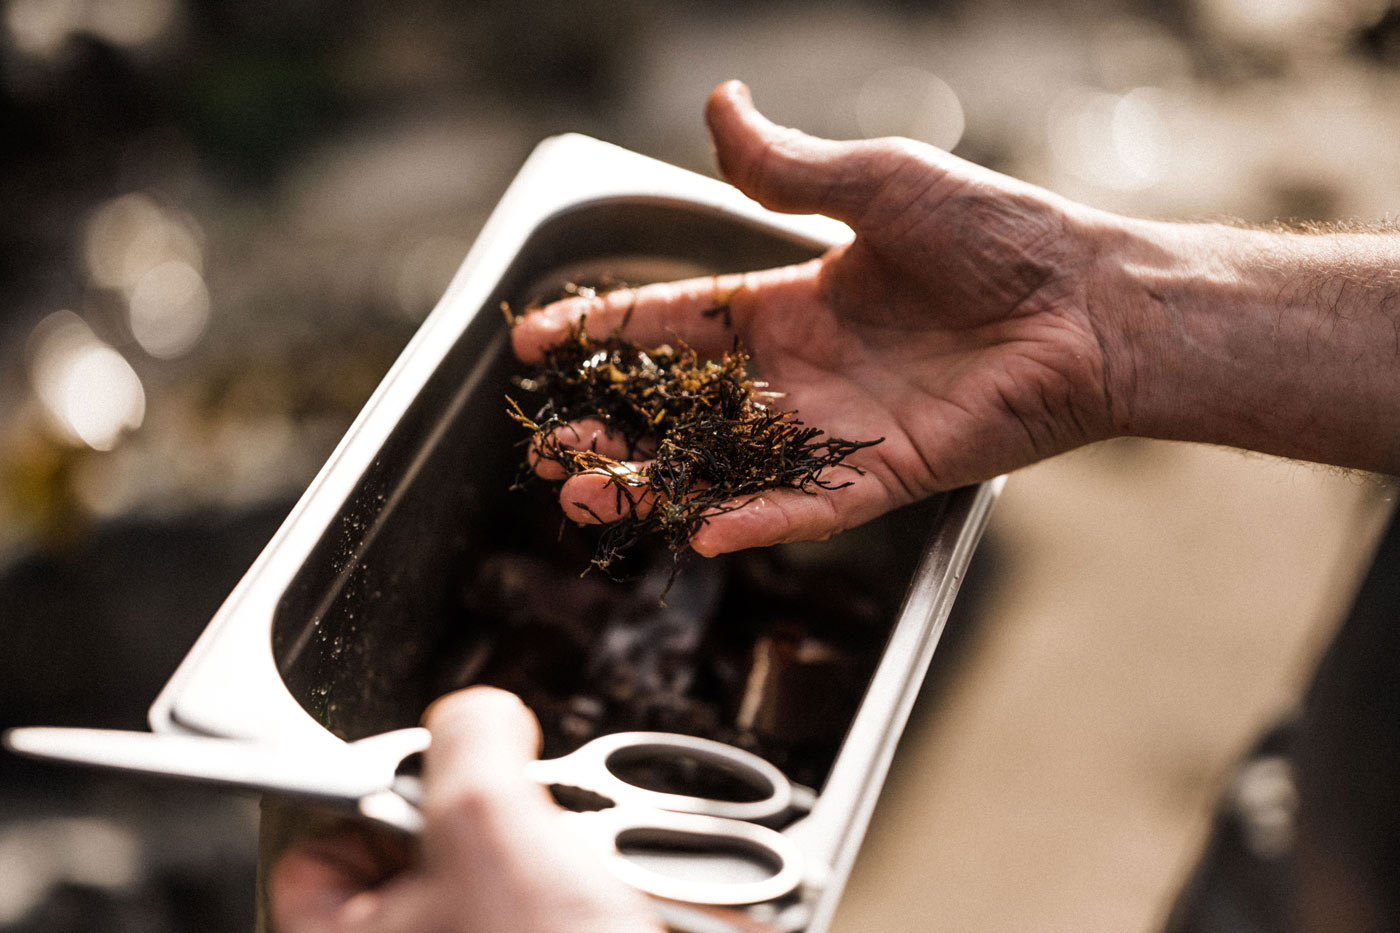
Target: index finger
point(704, 312)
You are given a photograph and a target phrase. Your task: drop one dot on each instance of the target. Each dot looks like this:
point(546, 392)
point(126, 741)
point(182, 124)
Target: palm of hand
point(963, 383)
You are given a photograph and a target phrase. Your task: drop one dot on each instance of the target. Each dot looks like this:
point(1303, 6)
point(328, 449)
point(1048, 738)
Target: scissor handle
point(591, 768)
point(626, 832)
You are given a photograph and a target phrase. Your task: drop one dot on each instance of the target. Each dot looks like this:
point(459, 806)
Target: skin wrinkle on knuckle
point(796, 169)
point(889, 199)
point(917, 213)
point(847, 184)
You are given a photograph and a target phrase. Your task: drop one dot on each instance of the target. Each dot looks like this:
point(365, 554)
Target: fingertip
point(538, 330)
point(782, 168)
point(474, 768)
point(530, 336)
point(546, 468)
point(729, 93)
point(474, 701)
point(605, 495)
point(706, 545)
point(481, 715)
point(729, 109)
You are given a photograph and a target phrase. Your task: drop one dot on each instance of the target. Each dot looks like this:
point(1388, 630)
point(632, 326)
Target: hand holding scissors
point(641, 832)
point(494, 854)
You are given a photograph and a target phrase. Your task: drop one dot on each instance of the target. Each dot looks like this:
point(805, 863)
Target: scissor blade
point(325, 772)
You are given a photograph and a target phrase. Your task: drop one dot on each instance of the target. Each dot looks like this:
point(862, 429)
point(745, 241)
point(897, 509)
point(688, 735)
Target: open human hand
point(955, 325)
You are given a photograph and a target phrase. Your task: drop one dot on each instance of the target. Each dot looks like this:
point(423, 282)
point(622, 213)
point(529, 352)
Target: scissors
point(651, 839)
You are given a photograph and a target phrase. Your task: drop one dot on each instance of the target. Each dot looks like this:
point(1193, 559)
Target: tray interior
point(437, 575)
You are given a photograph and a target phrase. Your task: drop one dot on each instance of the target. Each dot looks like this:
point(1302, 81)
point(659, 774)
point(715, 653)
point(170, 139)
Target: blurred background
point(220, 222)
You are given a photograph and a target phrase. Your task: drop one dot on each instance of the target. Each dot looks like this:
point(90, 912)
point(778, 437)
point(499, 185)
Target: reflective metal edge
point(228, 684)
point(832, 834)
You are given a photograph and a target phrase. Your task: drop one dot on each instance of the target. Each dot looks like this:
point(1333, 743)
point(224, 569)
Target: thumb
point(785, 169)
point(482, 740)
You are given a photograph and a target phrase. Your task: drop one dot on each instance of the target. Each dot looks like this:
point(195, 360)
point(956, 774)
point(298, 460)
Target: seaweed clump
point(707, 432)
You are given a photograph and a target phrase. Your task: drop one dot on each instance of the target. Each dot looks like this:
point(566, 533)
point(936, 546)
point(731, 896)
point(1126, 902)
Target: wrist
point(1285, 343)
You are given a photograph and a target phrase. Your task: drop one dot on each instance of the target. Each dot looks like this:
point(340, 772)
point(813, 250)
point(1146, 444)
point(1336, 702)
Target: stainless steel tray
point(339, 627)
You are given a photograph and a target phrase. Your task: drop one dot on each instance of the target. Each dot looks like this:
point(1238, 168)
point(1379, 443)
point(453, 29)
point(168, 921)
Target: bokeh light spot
point(41, 27)
point(89, 391)
point(1112, 141)
point(910, 102)
point(168, 309)
point(130, 235)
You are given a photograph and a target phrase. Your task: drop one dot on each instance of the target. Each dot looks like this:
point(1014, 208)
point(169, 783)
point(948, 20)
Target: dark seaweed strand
point(715, 440)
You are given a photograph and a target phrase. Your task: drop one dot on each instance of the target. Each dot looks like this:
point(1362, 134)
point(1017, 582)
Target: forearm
point(1285, 343)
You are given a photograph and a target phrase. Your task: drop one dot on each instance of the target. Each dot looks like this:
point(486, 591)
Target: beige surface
point(1154, 607)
